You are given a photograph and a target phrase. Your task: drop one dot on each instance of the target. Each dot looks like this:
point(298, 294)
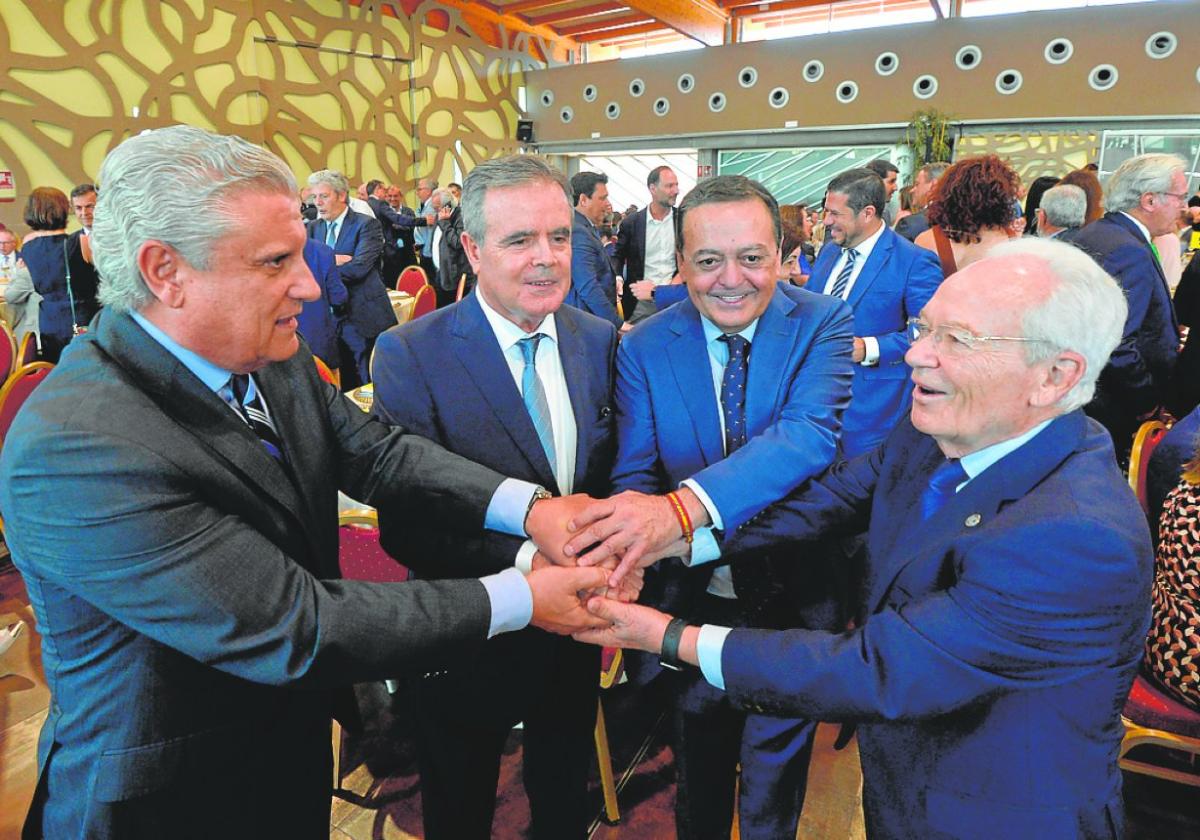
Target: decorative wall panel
point(1034, 153)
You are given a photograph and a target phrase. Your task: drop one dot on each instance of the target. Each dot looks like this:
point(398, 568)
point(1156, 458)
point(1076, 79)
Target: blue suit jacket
point(593, 284)
point(668, 424)
point(318, 324)
point(896, 281)
point(1139, 371)
point(368, 308)
point(1002, 636)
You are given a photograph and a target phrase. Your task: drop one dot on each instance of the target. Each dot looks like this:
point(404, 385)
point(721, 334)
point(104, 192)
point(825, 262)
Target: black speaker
point(525, 131)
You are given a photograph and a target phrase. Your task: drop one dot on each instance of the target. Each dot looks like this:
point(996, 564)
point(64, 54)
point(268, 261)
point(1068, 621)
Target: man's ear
point(472, 249)
point(1062, 375)
point(159, 265)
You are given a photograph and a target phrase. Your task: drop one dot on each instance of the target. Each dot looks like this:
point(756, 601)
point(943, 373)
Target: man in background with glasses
point(1008, 583)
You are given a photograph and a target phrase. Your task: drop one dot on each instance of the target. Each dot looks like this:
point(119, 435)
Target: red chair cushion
point(17, 396)
point(1148, 706)
point(361, 557)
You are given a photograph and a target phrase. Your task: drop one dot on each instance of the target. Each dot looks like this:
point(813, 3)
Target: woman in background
point(971, 209)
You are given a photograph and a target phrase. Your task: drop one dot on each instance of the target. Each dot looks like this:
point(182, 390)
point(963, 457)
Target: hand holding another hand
point(547, 522)
point(560, 597)
point(625, 626)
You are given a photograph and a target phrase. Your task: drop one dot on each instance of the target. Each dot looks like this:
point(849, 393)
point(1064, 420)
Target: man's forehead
point(85, 198)
point(995, 288)
point(708, 225)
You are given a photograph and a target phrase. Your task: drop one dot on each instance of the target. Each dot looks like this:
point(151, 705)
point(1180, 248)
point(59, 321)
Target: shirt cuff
point(506, 511)
point(511, 600)
point(706, 500)
point(524, 561)
point(709, 645)
point(704, 548)
point(870, 351)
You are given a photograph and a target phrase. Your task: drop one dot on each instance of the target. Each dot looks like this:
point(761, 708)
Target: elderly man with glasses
point(1007, 590)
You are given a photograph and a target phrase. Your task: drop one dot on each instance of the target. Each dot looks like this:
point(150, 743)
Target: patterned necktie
point(733, 392)
point(331, 234)
point(843, 278)
point(942, 486)
point(254, 415)
point(534, 394)
point(1154, 250)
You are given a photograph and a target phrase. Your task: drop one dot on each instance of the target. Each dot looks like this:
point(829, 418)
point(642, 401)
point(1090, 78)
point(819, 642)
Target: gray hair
point(333, 179)
point(204, 173)
point(444, 196)
point(1065, 206)
point(1084, 312)
point(934, 170)
point(511, 171)
point(1136, 177)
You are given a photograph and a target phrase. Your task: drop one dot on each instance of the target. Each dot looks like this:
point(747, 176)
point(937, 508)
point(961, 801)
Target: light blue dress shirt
point(711, 640)
point(510, 597)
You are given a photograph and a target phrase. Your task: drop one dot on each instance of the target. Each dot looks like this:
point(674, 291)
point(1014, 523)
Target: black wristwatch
point(669, 656)
point(539, 493)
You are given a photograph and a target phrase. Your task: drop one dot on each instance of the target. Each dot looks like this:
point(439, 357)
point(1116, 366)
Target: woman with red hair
point(972, 208)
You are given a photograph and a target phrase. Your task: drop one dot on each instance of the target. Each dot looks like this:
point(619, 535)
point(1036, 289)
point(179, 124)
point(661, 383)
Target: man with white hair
point(170, 498)
point(1061, 212)
point(1008, 581)
point(1144, 198)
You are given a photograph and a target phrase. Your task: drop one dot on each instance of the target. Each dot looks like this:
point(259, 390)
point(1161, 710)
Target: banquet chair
point(328, 374)
point(361, 557)
point(1151, 718)
point(412, 279)
point(1148, 436)
point(27, 350)
point(425, 303)
point(16, 390)
point(8, 351)
point(612, 665)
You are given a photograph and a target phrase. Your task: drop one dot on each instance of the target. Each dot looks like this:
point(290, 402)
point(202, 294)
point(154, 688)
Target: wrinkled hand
point(642, 289)
point(547, 525)
point(625, 626)
point(560, 597)
point(626, 590)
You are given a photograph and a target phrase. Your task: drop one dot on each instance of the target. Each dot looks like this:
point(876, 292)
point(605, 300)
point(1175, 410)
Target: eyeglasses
point(957, 339)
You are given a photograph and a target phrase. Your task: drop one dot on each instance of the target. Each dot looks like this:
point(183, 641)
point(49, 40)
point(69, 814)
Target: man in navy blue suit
point(593, 284)
point(1144, 198)
point(318, 320)
point(1008, 585)
point(357, 241)
point(886, 280)
point(523, 384)
point(737, 392)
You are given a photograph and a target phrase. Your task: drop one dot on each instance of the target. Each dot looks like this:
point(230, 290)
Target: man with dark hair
point(593, 284)
point(736, 393)
point(84, 280)
point(913, 225)
point(393, 225)
point(645, 253)
point(889, 172)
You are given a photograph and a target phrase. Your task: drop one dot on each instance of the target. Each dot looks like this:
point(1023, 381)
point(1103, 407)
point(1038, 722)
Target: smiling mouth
point(925, 391)
point(729, 298)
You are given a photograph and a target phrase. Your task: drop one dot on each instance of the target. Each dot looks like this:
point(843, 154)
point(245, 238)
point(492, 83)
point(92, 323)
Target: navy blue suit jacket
point(317, 322)
point(593, 284)
point(1002, 636)
point(360, 237)
point(896, 281)
point(1138, 374)
point(668, 420)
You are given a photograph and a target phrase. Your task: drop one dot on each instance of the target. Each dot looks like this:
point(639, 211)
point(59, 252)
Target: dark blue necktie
point(255, 415)
point(733, 392)
point(941, 487)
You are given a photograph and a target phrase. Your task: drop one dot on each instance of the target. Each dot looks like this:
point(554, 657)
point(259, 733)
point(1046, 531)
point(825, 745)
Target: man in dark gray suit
point(170, 497)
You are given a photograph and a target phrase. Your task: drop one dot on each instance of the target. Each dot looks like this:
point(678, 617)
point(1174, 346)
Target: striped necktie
point(843, 278)
point(534, 394)
point(255, 415)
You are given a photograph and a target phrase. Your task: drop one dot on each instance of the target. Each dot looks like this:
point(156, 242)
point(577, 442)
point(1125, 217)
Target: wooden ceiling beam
point(560, 43)
point(774, 6)
point(520, 7)
point(603, 23)
point(701, 20)
point(572, 14)
point(629, 31)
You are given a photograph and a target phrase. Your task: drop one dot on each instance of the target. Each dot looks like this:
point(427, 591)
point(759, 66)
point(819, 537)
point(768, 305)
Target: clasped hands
point(608, 544)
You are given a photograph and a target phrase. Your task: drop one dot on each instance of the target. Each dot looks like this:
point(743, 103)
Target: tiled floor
point(380, 799)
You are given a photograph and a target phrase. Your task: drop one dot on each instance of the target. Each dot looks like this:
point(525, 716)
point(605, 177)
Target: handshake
point(589, 548)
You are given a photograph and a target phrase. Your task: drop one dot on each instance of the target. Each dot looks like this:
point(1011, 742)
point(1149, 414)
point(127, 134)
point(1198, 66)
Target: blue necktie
point(942, 486)
point(534, 395)
point(733, 392)
point(843, 278)
point(255, 415)
point(331, 234)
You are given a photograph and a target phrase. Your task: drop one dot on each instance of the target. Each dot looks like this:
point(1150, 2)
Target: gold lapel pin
point(973, 520)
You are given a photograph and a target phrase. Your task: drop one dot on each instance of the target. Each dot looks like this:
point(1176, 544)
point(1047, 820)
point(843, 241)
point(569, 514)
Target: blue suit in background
point(1138, 375)
point(1002, 637)
point(445, 377)
point(318, 322)
point(669, 429)
point(593, 284)
point(896, 281)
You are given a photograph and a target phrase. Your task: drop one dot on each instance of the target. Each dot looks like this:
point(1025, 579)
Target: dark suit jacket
point(317, 321)
point(195, 635)
point(453, 258)
point(1139, 371)
point(1002, 638)
point(912, 226)
point(593, 283)
point(630, 259)
point(396, 225)
point(896, 281)
point(44, 257)
point(669, 426)
point(446, 376)
point(368, 308)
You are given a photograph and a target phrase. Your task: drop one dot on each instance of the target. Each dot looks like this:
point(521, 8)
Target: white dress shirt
point(864, 248)
point(659, 264)
point(360, 206)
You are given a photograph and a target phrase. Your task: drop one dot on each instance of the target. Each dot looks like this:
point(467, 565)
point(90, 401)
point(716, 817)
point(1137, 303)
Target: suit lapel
point(479, 353)
point(823, 269)
point(768, 358)
point(582, 387)
point(688, 357)
point(878, 258)
point(1125, 222)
